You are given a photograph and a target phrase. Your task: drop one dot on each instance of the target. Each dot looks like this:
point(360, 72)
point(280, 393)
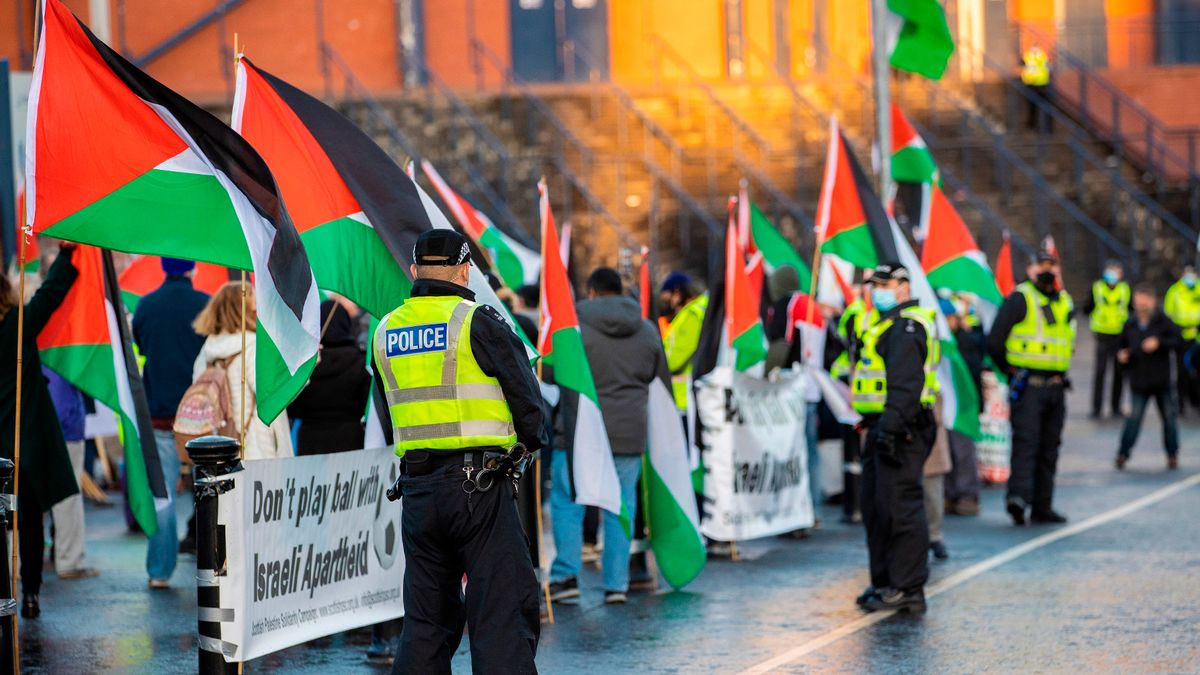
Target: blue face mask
point(1189, 280)
point(884, 299)
point(1110, 278)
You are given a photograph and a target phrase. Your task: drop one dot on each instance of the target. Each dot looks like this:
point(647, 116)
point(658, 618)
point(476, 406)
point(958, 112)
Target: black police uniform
point(447, 533)
point(898, 442)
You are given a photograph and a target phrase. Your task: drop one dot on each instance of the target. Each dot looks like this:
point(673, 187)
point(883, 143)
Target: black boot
point(30, 607)
point(912, 602)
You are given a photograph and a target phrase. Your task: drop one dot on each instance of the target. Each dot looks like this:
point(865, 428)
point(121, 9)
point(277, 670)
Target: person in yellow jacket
point(1032, 342)
point(1035, 75)
point(1108, 309)
point(1182, 305)
point(682, 336)
point(461, 392)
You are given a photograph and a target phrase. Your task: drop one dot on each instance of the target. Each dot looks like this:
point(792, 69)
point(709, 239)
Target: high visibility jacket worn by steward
point(878, 372)
point(680, 342)
point(1035, 70)
point(1110, 308)
point(851, 327)
point(455, 375)
point(1182, 304)
point(1045, 338)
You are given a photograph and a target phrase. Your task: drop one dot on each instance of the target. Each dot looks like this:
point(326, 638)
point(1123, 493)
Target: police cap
point(441, 247)
point(887, 271)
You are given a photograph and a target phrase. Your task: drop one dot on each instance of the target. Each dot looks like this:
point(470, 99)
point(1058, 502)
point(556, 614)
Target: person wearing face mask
point(894, 388)
point(1108, 307)
point(1032, 341)
point(1182, 305)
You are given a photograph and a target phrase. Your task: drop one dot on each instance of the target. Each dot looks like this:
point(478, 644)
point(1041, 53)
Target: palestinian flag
point(911, 160)
point(33, 252)
point(347, 255)
point(919, 39)
point(117, 160)
point(743, 323)
point(775, 249)
point(146, 274)
point(1004, 268)
point(87, 342)
point(848, 209)
point(645, 292)
point(671, 516)
point(950, 255)
point(515, 264)
point(593, 472)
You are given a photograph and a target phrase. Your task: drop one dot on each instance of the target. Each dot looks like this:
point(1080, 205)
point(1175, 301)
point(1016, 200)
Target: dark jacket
point(626, 355)
point(1150, 372)
point(1011, 313)
point(162, 329)
point(972, 344)
point(45, 465)
point(500, 354)
point(903, 348)
point(330, 409)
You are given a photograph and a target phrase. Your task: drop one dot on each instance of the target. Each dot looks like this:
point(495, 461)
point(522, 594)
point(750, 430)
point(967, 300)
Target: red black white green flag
point(743, 322)
point(849, 214)
point(347, 254)
point(116, 159)
point(145, 275)
point(87, 343)
point(1004, 268)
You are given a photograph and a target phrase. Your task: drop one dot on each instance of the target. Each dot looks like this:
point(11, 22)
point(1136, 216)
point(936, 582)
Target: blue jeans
point(1167, 409)
point(566, 518)
point(162, 550)
point(811, 424)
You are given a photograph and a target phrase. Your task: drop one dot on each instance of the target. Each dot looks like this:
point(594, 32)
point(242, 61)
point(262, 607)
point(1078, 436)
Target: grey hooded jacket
point(626, 355)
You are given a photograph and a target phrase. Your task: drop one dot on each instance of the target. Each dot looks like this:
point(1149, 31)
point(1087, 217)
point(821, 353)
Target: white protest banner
point(754, 454)
point(313, 548)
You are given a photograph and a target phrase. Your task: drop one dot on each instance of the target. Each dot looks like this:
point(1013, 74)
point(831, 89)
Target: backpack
point(206, 408)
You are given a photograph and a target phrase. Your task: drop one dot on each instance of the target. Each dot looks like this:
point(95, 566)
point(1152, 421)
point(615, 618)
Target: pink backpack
point(206, 408)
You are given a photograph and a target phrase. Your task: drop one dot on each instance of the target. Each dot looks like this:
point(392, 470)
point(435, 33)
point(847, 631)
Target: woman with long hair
point(221, 323)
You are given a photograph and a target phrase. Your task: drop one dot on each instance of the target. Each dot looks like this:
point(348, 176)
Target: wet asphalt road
point(1120, 597)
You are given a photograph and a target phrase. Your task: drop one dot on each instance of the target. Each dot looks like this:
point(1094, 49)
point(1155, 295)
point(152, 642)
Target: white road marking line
point(965, 575)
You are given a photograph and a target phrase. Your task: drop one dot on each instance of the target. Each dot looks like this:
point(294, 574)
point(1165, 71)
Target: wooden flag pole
point(17, 444)
point(537, 502)
point(242, 414)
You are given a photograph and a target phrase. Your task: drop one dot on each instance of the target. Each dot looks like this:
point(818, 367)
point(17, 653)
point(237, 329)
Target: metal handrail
point(175, 39)
point(1154, 126)
point(989, 216)
point(1079, 135)
point(592, 200)
point(661, 46)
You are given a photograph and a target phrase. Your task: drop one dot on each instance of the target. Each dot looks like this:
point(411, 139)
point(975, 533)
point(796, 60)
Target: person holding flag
point(1108, 306)
point(1032, 341)
point(45, 472)
point(895, 387)
point(459, 385)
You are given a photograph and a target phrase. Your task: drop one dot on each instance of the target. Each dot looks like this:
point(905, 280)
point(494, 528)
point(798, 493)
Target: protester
point(962, 483)
point(937, 465)
point(1108, 307)
point(614, 334)
point(69, 533)
point(1146, 345)
point(45, 471)
point(686, 307)
point(1032, 341)
point(221, 322)
point(1182, 304)
point(330, 409)
point(162, 330)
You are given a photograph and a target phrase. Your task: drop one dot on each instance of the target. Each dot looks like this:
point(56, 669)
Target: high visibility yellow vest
point(680, 342)
point(1036, 72)
point(868, 388)
point(438, 396)
point(1036, 343)
point(1111, 308)
point(856, 319)
point(1182, 304)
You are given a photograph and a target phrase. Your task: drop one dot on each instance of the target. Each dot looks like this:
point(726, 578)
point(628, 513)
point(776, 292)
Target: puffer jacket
point(262, 441)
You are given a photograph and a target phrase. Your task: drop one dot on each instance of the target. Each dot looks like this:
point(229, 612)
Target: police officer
point(682, 337)
point(894, 387)
point(1108, 307)
point(1035, 74)
point(459, 385)
point(1032, 340)
point(1182, 304)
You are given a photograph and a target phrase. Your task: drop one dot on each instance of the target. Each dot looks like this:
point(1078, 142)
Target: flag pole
point(883, 120)
point(17, 443)
point(537, 500)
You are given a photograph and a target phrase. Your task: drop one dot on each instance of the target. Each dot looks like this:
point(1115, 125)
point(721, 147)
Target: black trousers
point(851, 471)
point(447, 534)
point(893, 509)
point(1037, 424)
point(1107, 347)
point(31, 539)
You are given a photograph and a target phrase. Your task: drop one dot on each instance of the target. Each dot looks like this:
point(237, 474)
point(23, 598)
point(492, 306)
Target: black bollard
point(8, 603)
point(214, 457)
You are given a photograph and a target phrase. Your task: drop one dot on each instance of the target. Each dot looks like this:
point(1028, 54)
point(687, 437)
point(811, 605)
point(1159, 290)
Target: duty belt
point(1046, 380)
point(481, 467)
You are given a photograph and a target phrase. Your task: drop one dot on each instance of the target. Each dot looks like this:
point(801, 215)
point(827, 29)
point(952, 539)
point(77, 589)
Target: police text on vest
point(430, 337)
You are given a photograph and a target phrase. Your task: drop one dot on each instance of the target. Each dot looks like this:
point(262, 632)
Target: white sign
point(754, 453)
point(313, 548)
